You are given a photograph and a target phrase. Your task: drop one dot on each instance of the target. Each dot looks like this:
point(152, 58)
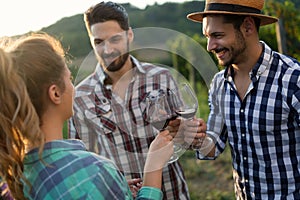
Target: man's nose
point(107, 47)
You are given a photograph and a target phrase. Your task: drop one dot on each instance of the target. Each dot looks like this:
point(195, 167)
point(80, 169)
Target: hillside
point(71, 30)
point(72, 33)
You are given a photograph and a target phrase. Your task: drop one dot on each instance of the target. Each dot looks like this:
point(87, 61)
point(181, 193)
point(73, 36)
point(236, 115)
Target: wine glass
point(158, 111)
point(185, 104)
point(159, 114)
point(183, 101)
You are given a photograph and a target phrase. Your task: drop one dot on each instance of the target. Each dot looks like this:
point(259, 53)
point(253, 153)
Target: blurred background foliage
point(206, 179)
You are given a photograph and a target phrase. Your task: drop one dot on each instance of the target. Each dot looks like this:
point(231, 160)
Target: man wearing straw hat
point(254, 101)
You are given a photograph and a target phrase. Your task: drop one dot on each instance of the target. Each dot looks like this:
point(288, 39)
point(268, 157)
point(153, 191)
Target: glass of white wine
point(185, 104)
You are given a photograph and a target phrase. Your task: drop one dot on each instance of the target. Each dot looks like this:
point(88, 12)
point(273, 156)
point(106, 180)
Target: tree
point(288, 27)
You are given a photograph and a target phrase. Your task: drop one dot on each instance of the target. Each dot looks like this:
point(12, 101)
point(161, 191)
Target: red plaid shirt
point(116, 128)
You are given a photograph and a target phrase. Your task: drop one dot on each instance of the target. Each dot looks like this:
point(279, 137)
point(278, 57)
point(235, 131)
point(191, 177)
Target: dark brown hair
point(106, 11)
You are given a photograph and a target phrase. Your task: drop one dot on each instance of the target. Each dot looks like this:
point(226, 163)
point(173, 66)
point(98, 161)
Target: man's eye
point(115, 40)
point(218, 36)
point(97, 42)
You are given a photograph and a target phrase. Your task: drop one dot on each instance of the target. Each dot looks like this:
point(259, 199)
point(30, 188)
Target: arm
point(160, 151)
point(110, 182)
point(208, 139)
point(158, 155)
point(216, 128)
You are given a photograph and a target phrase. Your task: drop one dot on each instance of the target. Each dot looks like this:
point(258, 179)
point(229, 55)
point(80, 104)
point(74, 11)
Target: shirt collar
point(263, 63)
point(53, 147)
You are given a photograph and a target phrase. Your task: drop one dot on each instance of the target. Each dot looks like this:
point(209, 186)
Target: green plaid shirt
point(68, 171)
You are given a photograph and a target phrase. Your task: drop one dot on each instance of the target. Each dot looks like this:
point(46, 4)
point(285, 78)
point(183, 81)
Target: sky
point(21, 16)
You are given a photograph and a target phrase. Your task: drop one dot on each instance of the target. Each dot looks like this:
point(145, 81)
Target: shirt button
point(245, 158)
point(246, 180)
point(243, 135)
point(242, 110)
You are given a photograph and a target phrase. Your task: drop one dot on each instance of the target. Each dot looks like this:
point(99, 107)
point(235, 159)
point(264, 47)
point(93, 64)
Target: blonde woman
point(36, 95)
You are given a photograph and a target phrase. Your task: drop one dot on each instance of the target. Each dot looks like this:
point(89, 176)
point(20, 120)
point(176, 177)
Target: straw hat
point(236, 7)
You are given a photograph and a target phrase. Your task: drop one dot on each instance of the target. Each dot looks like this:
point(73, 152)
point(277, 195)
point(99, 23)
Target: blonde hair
point(28, 67)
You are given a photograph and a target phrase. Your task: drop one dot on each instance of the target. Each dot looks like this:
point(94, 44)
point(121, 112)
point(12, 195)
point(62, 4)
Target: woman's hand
point(134, 185)
point(160, 151)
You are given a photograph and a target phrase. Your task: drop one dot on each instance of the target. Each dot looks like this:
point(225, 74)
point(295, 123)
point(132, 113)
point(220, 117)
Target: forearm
point(153, 179)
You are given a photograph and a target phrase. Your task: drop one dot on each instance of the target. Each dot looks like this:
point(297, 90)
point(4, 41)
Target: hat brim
point(265, 20)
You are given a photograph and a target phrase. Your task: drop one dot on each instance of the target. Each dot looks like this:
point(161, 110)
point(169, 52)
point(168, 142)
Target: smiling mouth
point(110, 60)
point(220, 54)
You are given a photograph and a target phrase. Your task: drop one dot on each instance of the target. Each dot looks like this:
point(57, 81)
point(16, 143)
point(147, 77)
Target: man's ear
point(248, 25)
point(130, 34)
point(54, 94)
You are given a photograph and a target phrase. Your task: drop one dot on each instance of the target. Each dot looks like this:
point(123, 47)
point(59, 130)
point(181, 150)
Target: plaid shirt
point(68, 171)
point(262, 129)
point(117, 128)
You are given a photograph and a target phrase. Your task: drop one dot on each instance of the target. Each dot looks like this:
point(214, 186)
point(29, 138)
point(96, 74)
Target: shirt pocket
point(138, 112)
point(100, 120)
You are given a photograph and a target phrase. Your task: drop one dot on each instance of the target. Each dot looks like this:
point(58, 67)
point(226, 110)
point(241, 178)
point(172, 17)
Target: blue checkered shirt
point(262, 130)
point(68, 171)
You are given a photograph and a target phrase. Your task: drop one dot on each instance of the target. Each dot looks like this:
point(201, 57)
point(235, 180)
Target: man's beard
point(118, 63)
point(236, 51)
point(119, 59)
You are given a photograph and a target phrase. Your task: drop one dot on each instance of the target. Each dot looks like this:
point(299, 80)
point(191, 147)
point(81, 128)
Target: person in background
point(254, 102)
point(109, 107)
point(36, 94)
